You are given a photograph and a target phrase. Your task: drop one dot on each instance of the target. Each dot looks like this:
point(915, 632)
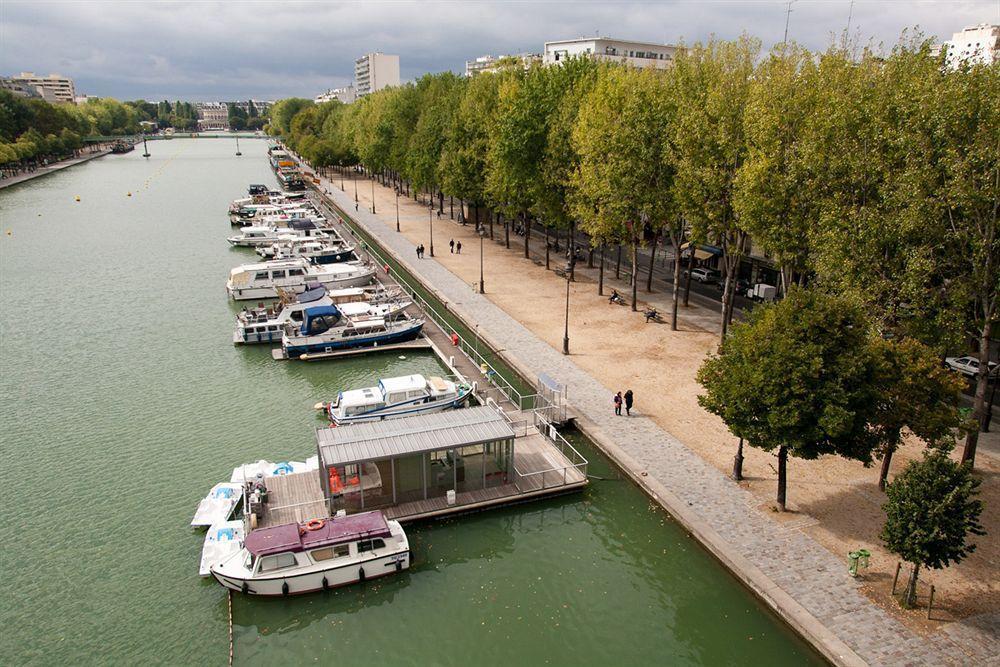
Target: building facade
point(213, 116)
point(347, 94)
point(375, 71)
point(20, 89)
point(52, 88)
point(489, 63)
point(636, 54)
point(977, 44)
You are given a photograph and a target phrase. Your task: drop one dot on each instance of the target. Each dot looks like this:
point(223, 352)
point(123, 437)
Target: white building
point(976, 44)
point(490, 63)
point(213, 115)
point(52, 88)
point(375, 71)
point(637, 54)
point(346, 95)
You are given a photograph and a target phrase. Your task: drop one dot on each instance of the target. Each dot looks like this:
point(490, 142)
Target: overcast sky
point(274, 49)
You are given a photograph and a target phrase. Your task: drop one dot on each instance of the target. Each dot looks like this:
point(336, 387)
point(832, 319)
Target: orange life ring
point(315, 524)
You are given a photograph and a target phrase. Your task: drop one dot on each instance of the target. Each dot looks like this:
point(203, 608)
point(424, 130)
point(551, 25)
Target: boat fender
point(361, 574)
point(399, 566)
point(326, 584)
point(284, 588)
point(245, 588)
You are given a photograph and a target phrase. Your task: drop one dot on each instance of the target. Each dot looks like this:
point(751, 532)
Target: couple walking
point(627, 399)
point(455, 246)
point(420, 251)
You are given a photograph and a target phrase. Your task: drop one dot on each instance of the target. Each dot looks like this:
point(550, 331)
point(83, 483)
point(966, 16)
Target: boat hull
point(402, 410)
point(311, 344)
point(269, 292)
point(312, 581)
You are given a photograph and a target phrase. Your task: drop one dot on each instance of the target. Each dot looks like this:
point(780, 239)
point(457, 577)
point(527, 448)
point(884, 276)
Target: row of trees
point(32, 129)
point(873, 177)
point(248, 119)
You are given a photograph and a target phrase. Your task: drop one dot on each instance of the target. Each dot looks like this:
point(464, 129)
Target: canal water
point(123, 401)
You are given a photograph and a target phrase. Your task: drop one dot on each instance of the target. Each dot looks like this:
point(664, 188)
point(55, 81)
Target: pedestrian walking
point(628, 402)
point(451, 244)
point(618, 404)
point(355, 206)
point(418, 251)
point(458, 248)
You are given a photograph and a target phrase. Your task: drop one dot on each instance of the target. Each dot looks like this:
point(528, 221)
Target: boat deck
point(540, 469)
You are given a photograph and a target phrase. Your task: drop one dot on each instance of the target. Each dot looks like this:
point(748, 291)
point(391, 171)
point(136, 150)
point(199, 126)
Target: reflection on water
point(124, 401)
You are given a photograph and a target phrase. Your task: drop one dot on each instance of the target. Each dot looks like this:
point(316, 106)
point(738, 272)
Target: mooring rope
point(230, 601)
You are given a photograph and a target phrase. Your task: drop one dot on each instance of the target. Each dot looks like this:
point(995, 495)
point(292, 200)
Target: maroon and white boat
point(324, 553)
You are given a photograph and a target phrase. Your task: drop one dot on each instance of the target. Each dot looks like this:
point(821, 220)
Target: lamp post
point(430, 217)
point(372, 174)
point(397, 208)
point(355, 178)
point(482, 234)
point(342, 189)
point(569, 272)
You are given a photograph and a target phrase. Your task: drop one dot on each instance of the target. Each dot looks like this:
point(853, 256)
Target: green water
point(123, 401)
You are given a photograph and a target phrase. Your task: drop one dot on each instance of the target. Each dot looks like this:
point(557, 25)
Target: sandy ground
point(835, 501)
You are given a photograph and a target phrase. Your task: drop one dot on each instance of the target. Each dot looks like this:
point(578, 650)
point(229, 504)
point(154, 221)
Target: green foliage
point(802, 374)
point(931, 509)
point(284, 111)
point(439, 96)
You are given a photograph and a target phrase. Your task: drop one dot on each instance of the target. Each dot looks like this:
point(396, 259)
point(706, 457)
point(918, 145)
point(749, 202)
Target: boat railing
point(469, 348)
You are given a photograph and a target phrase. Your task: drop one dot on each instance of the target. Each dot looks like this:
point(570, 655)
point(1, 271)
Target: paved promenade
point(54, 167)
point(802, 581)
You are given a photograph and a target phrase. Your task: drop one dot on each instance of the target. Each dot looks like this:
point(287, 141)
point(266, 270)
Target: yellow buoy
point(129, 194)
point(78, 197)
point(9, 232)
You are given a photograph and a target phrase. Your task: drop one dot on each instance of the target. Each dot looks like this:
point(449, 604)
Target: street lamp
point(342, 188)
point(430, 217)
point(372, 174)
point(569, 272)
point(355, 179)
point(397, 208)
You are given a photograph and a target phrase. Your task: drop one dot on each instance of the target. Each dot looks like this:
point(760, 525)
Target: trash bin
point(852, 563)
point(863, 556)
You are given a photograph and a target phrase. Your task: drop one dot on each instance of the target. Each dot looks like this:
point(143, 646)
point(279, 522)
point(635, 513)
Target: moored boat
point(396, 397)
point(265, 324)
point(264, 279)
point(326, 329)
point(318, 555)
point(269, 234)
point(218, 505)
point(325, 251)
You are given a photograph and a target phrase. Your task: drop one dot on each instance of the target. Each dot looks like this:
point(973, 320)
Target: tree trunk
point(979, 404)
point(451, 207)
point(738, 463)
point(440, 203)
point(886, 463)
point(782, 476)
point(652, 260)
point(910, 594)
point(600, 274)
point(527, 234)
point(618, 266)
point(590, 257)
point(506, 231)
point(635, 272)
point(546, 247)
point(687, 283)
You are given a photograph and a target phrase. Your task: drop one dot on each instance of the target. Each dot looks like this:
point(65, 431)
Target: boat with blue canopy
point(326, 329)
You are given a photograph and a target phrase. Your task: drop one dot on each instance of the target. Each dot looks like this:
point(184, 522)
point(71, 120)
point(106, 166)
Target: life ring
point(315, 524)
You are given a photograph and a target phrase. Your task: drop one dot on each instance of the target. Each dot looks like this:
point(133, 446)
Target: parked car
point(704, 276)
point(967, 366)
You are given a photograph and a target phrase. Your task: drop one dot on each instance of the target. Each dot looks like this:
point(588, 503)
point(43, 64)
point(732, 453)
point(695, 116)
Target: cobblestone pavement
point(805, 583)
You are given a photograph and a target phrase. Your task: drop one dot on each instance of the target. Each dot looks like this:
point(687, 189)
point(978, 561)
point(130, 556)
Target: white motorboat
point(396, 397)
point(265, 325)
point(222, 540)
point(218, 505)
point(265, 279)
point(318, 555)
point(266, 235)
point(316, 251)
point(325, 329)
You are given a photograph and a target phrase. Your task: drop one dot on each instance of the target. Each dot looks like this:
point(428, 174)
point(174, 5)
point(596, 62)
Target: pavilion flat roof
point(371, 441)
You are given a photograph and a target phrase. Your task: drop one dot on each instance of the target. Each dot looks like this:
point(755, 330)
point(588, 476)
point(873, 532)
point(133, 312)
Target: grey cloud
point(229, 50)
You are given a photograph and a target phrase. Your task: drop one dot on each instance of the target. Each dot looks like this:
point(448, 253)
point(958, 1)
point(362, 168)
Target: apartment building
point(375, 71)
point(636, 54)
